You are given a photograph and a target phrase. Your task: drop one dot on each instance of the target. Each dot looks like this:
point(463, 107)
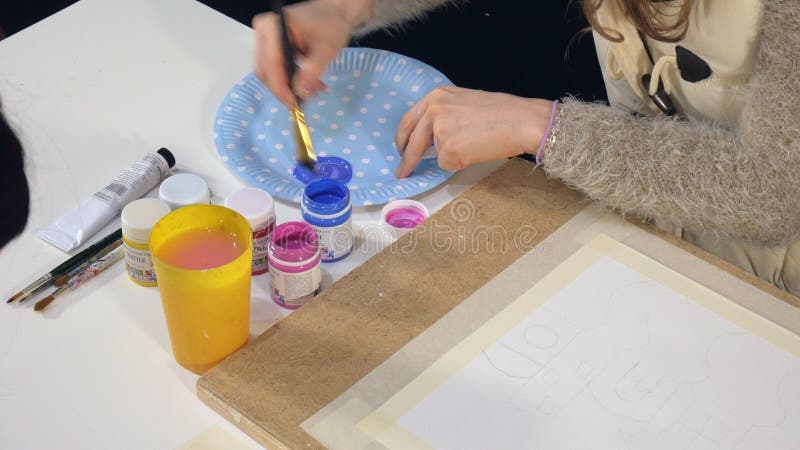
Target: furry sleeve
point(395, 12)
point(742, 183)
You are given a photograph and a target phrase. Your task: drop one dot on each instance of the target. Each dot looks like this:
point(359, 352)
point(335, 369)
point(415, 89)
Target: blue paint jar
point(326, 207)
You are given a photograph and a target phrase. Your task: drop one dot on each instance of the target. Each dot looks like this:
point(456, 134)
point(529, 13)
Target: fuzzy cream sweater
point(741, 181)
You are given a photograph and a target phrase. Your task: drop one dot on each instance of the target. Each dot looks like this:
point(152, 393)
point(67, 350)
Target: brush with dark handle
point(304, 148)
point(68, 265)
point(286, 44)
point(84, 275)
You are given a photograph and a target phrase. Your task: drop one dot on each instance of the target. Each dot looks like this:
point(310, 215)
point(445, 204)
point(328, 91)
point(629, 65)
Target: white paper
point(615, 360)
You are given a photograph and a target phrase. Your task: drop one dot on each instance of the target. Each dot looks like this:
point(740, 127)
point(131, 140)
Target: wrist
point(533, 128)
point(355, 12)
point(548, 136)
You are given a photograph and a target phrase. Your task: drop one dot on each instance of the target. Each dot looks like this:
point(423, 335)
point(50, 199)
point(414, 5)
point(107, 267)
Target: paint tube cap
point(184, 189)
point(139, 217)
point(167, 155)
point(254, 204)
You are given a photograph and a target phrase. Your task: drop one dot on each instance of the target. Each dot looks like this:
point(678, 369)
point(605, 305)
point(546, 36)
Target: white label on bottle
point(294, 289)
point(134, 182)
point(261, 246)
point(335, 242)
point(139, 264)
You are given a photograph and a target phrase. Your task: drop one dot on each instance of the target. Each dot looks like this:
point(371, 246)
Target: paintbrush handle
point(286, 42)
point(86, 253)
point(89, 272)
point(94, 269)
point(108, 249)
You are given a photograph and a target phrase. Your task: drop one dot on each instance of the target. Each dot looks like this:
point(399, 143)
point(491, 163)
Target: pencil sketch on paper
point(615, 360)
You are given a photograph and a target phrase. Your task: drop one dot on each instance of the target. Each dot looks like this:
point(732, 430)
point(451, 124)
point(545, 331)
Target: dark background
point(532, 48)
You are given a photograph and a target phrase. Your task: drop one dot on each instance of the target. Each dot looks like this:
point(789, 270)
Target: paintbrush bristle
point(60, 281)
point(25, 296)
point(15, 296)
point(308, 163)
point(44, 303)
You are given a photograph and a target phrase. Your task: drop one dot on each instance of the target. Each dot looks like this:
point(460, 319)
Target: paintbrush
point(83, 276)
point(68, 265)
point(304, 149)
point(63, 279)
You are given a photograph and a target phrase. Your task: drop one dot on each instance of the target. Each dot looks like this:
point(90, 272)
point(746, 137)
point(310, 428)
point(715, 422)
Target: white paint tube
point(73, 228)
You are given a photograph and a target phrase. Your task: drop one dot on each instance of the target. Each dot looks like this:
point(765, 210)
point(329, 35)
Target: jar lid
point(139, 217)
point(326, 199)
point(254, 204)
point(404, 214)
point(327, 167)
point(294, 243)
point(184, 189)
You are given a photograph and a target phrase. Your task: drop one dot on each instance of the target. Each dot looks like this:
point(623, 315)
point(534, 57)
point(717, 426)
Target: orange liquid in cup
point(202, 249)
point(203, 257)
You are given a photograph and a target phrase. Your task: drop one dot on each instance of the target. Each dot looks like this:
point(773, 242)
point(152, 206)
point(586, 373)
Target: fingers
point(421, 139)
point(307, 80)
point(270, 67)
point(407, 125)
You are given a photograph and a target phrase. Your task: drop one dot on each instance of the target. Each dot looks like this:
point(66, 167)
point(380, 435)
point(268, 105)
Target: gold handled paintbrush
point(304, 149)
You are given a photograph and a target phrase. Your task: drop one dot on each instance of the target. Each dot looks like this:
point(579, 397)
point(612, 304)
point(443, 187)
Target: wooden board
point(307, 360)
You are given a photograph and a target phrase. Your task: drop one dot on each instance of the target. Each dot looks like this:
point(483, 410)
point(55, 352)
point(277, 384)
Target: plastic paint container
point(184, 189)
point(202, 258)
point(138, 219)
point(259, 209)
point(400, 216)
point(294, 264)
point(326, 207)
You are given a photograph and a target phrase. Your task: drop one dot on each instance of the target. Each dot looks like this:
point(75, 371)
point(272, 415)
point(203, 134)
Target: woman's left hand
point(468, 127)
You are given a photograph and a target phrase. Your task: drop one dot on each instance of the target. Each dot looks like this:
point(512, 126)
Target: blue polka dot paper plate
point(370, 90)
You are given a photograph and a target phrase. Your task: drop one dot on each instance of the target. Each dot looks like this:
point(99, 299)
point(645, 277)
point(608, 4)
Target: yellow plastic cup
point(207, 311)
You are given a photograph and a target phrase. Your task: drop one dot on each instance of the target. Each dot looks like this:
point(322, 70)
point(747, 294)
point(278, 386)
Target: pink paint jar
point(400, 216)
point(294, 264)
point(259, 209)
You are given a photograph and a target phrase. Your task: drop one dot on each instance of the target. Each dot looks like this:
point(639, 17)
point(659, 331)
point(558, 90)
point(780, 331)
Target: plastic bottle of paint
point(259, 209)
point(401, 216)
point(184, 189)
point(326, 207)
point(138, 219)
point(294, 264)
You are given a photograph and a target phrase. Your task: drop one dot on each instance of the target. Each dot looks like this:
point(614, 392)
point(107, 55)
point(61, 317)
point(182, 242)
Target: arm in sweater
point(393, 12)
point(743, 183)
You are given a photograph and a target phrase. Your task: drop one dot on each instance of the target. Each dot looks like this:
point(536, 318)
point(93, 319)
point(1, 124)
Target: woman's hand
point(319, 29)
point(468, 127)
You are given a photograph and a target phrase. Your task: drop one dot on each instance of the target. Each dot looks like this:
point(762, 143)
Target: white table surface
point(90, 90)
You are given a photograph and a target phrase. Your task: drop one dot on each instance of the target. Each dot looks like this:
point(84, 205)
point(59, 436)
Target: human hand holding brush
point(319, 29)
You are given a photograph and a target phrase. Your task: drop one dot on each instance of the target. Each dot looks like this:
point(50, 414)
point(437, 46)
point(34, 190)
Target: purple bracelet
point(547, 132)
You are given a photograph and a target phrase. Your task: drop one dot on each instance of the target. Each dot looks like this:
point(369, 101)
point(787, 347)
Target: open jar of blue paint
point(326, 207)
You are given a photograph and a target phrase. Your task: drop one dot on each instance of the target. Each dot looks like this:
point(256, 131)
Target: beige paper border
point(382, 426)
point(214, 438)
point(328, 425)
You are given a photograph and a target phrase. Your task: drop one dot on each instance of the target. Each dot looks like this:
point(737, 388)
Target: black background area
point(532, 48)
